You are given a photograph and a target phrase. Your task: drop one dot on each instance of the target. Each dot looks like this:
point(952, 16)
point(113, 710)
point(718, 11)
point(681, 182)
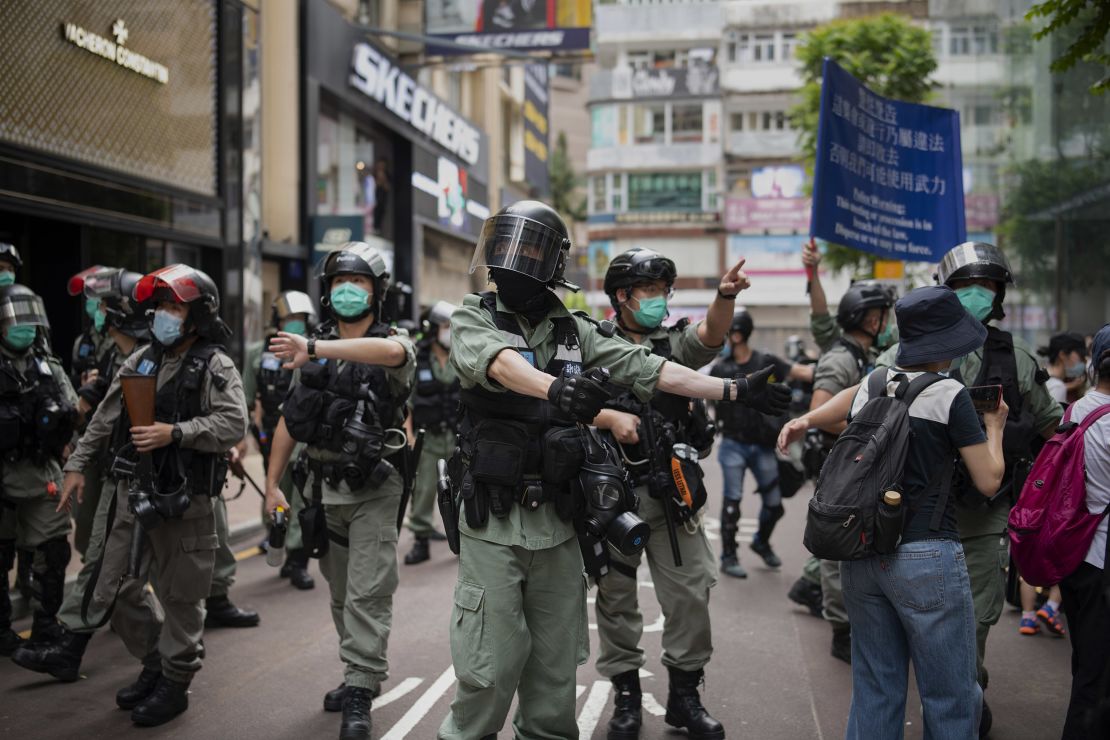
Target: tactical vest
point(84, 355)
point(179, 399)
point(36, 419)
point(343, 409)
point(273, 383)
point(435, 404)
point(741, 422)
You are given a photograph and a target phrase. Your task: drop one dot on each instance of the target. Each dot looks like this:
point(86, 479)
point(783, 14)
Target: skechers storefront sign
point(375, 75)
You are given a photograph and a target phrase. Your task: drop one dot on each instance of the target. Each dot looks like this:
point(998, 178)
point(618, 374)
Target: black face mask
point(524, 295)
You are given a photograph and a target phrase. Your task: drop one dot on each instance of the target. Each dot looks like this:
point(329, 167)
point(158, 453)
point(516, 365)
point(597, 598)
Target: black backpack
point(867, 460)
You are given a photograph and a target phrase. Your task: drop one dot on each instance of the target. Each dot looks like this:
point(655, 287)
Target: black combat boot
point(61, 659)
point(684, 707)
point(808, 594)
point(842, 643)
point(625, 724)
point(419, 552)
point(131, 696)
point(169, 699)
point(9, 640)
point(297, 563)
point(986, 720)
point(45, 630)
point(222, 613)
point(356, 715)
point(333, 700)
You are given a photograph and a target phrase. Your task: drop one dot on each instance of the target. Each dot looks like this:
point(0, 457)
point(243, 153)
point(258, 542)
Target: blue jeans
point(736, 457)
point(914, 604)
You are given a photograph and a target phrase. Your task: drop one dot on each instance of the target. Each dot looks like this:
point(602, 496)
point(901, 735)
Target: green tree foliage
point(565, 195)
point(1088, 22)
point(888, 54)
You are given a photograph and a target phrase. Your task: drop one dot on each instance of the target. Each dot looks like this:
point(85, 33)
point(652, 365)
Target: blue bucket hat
point(933, 326)
point(1099, 346)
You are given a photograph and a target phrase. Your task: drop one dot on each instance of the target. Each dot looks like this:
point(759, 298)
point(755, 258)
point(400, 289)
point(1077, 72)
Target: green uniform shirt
point(400, 384)
point(686, 347)
point(837, 369)
point(825, 330)
point(982, 520)
point(27, 479)
point(476, 341)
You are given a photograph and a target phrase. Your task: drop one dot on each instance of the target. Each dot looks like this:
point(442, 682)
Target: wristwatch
point(727, 296)
point(176, 434)
point(312, 348)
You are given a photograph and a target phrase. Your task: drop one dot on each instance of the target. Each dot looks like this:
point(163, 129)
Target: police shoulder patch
point(146, 367)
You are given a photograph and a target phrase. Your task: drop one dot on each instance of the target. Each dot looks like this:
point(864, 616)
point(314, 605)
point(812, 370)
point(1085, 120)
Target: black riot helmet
point(637, 265)
point(742, 322)
point(972, 260)
point(114, 287)
point(187, 285)
point(528, 237)
point(21, 306)
point(292, 302)
point(8, 253)
point(861, 296)
point(356, 258)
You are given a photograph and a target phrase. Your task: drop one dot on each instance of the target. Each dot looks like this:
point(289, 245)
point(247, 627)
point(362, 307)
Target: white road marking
point(396, 692)
point(653, 707)
point(579, 689)
point(645, 673)
point(592, 709)
point(422, 706)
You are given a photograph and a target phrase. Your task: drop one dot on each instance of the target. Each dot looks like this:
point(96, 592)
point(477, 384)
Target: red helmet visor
point(76, 284)
point(178, 280)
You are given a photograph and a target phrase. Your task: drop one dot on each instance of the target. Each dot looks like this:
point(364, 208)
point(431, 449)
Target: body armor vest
point(36, 419)
point(435, 405)
point(741, 422)
point(84, 356)
point(179, 399)
point(273, 383)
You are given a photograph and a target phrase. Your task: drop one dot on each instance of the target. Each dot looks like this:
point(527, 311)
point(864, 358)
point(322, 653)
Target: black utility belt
point(355, 473)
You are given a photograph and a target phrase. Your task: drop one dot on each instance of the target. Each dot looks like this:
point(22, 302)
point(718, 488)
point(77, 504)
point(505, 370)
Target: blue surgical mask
point(349, 300)
point(20, 336)
point(978, 301)
point(295, 326)
point(167, 328)
point(6, 278)
point(651, 312)
point(1077, 370)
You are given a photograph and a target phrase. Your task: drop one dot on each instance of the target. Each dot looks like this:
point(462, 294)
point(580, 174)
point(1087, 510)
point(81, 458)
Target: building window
point(789, 42)
point(768, 118)
point(763, 48)
point(736, 121)
point(972, 40)
point(780, 120)
point(597, 200)
point(618, 192)
point(569, 71)
point(649, 123)
point(982, 115)
point(686, 124)
point(665, 191)
point(640, 60)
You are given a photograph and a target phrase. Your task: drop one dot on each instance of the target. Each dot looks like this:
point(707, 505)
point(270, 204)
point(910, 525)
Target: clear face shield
point(518, 244)
point(22, 310)
point(294, 301)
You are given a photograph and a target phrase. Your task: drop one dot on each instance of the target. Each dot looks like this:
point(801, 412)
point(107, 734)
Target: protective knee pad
point(51, 578)
point(730, 524)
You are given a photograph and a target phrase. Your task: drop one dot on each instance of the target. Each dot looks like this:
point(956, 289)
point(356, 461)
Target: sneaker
point(763, 550)
point(730, 566)
point(1050, 618)
point(1029, 626)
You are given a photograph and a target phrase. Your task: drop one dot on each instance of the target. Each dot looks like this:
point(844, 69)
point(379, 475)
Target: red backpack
point(1050, 526)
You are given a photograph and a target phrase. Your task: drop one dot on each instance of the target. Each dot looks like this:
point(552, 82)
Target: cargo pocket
point(192, 573)
point(583, 648)
point(471, 647)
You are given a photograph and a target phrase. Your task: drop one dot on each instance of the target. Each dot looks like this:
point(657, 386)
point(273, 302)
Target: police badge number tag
point(270, 361)
point(425, 376)
point(529, 355)
point(44, 368)
point(146, 367)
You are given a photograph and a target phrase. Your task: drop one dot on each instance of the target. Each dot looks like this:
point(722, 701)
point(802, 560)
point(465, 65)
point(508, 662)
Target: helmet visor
point(103, 283)
point(294, 301)
point(518, 244)
point(76, 283)
point(357, 258)
point(985, 260)
point(178, 282)
point(22, 309)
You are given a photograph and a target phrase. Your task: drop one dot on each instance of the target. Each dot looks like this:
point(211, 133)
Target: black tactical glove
point(767, 398)
point(579, 396)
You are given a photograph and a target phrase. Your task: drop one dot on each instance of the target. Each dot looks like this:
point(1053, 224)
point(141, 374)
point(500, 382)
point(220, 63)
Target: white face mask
point(443, 336)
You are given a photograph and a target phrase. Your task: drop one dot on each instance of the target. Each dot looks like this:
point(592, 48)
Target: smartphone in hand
point(985, 398)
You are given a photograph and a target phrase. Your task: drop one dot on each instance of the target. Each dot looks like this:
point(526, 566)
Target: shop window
point(739, 183)
point(353, 176)
point(649, 123)
point(686, 124)
point(789, 42)
point(665, 191)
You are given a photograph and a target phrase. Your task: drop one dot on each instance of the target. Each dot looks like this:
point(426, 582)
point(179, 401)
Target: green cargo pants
point(85, 513)
point(422, 514)
point(223, 572)
point(987, 558)
point(832, 595)
point(683, 595)
point(178, 556)
point(362, 576)
point(293, 538)
point(811, 571)
point(518, 627)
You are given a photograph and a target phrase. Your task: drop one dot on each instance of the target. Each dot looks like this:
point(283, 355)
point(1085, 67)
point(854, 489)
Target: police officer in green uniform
point(519, 624)
point(348, 408)
point(639, 283)
point(265, 384)
point(434, 407)
point(979, 273)
point(37, 418)
point(80, 616)
point(863, 316)
point(200, 413)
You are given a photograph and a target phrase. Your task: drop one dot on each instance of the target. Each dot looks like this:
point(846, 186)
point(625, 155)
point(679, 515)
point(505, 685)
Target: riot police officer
point(92, 343)
point(266, 384)
point(80, 616)
point(349, 412)
point(863, 317)
point(435, 409)
point(639, 283)
point(10, 262)
point(199, 413)
point(37, 418)
point(980, 273)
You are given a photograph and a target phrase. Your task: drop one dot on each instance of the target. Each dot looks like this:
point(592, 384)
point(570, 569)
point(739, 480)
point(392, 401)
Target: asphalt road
point(771, 676)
